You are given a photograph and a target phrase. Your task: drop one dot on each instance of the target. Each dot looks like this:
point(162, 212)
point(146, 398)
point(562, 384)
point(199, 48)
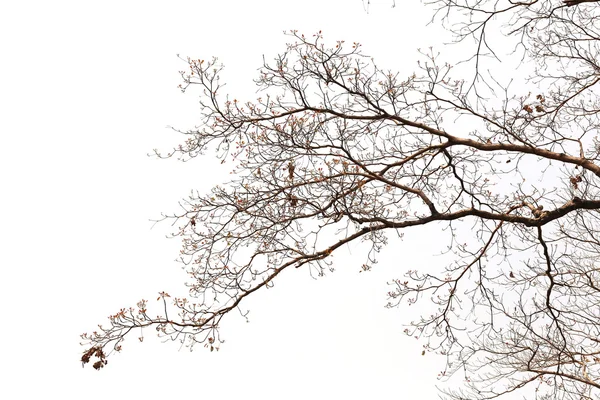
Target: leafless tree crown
point(337, 150)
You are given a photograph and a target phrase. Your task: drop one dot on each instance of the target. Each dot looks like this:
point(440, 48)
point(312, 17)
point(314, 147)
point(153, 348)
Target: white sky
point(87, 90)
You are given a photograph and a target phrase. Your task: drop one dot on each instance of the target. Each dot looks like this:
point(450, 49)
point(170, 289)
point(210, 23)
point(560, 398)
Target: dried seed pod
point(98, 364)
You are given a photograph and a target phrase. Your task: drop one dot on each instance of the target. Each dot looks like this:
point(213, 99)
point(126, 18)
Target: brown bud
point(574, 182)
point(98, 364)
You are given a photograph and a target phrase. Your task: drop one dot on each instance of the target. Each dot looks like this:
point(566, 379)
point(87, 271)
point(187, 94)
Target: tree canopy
point(338, 150)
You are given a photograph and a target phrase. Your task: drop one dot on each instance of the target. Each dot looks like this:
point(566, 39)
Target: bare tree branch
point(338, 150)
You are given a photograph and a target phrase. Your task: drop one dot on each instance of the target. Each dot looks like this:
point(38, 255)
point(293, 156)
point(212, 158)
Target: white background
point(87, 90)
